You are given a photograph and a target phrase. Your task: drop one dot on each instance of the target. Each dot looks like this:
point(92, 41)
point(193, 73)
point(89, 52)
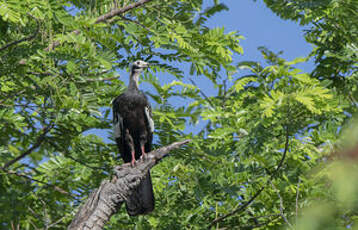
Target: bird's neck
point(133, 81)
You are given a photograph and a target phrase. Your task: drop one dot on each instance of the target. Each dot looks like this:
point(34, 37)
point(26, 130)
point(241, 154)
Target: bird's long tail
point(142, 200)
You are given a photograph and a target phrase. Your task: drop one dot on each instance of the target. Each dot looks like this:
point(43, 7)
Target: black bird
point(133, 132)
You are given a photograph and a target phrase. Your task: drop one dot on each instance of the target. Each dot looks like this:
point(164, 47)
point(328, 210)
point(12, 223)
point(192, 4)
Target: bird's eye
point(137, 62)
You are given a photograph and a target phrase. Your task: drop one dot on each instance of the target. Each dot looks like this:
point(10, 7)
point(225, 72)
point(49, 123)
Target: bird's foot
point(133, 159)
point(144, 156)
point(133, 162)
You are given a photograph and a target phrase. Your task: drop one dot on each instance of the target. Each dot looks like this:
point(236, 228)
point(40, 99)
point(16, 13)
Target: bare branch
point(105, 201)
point(28, 38)
point(37, 144)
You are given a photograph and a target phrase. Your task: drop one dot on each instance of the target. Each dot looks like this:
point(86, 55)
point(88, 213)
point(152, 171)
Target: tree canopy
point(260, 160)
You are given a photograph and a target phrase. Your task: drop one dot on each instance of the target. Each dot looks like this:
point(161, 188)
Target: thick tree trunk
point(108, 198)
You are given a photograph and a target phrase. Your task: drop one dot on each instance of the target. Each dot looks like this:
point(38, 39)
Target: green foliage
point(261, 115)
point(334, 203)
point(334, 34)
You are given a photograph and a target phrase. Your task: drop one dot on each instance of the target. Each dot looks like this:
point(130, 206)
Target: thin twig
point(58, 189)
point(28, 38)
point(84, 81)
point(238, 209)
point(36, 215)
point(282, 214)
point(37, 144)
point(260, 224)
point(99, 79)
point(18, 105)
point(135, 22)
point(297, 195)
point(83, 163)
point(10, 97)
point(68, 155)
point(249, 202)
point(284, 153)
point(202, 93)
point(114, 12)
point(27, 166)
point(33, 225)
point(40, 74)
point(56, 222)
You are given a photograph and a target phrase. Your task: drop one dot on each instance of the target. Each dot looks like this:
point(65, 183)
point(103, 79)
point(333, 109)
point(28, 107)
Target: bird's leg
point(144, 154)
point(133, 158)
point(130, 142)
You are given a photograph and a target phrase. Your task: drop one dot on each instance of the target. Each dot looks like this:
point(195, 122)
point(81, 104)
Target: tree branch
point(114, 12)
point(260, 224)
point(67, 154)
point(99, 79)
point(37, 144)
point(297, 195)
point(135, 22)
point(282, 214)
point(203, 94)
point(28, 38)
point(238, 209)
point(55, 187)
point(249, 202)
point(105, 201)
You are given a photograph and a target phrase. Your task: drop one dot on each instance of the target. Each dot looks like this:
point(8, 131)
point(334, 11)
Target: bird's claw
point(143, 157)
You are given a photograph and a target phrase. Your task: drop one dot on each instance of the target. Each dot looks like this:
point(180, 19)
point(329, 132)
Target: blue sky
point(260, 27)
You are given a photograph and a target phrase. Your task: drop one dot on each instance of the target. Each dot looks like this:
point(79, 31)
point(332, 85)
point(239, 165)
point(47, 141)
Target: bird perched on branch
point(133, 132)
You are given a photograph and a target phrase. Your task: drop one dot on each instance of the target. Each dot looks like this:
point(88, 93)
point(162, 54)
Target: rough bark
point(108, 198)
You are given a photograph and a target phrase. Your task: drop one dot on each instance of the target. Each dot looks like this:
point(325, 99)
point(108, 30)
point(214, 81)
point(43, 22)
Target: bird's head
point(139, 66)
